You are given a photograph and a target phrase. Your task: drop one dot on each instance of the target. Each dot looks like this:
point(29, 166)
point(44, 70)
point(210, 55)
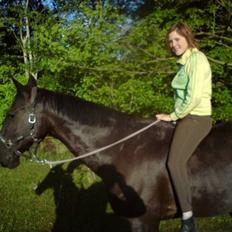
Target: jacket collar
point(182, 60)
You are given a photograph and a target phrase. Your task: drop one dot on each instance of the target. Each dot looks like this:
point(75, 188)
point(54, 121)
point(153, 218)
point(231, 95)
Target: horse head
point(19, 129)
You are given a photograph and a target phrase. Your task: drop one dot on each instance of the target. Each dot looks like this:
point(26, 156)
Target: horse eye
point(11, 114)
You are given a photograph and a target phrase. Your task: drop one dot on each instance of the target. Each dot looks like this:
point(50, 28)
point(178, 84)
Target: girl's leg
point(188, 134)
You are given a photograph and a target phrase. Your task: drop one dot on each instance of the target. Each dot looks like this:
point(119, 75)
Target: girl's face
point(177, 43)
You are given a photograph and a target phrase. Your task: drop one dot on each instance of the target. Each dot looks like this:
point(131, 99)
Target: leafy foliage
point(115, 55)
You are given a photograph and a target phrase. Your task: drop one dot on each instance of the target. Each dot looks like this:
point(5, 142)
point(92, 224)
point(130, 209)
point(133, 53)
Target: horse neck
point(85, 127)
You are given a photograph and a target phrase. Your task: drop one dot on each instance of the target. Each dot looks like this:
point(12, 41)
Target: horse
point(134, 172)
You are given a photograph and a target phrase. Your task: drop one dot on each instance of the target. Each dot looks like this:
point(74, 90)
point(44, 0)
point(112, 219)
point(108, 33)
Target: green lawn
point(35, 198)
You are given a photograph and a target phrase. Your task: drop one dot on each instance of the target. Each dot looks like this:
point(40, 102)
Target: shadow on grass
point(82, 210)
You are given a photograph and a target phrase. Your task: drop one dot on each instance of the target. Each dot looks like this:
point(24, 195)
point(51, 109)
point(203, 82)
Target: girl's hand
point(164, 117)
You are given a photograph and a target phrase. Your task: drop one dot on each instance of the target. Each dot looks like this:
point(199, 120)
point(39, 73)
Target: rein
point(54, 163)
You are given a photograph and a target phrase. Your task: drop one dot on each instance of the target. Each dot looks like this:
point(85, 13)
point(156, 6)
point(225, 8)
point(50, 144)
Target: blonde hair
point(185, 31)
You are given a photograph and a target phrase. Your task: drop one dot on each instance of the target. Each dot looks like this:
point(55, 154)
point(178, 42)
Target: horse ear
point(18, 85)
point(22, 90)
point(31, 82)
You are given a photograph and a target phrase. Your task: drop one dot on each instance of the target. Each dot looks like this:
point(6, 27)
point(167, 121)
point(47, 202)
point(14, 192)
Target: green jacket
point(192, 85)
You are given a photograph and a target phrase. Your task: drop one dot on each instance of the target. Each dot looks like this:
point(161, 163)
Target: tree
point(17, 17)
point(18, 58)
point(116, 57)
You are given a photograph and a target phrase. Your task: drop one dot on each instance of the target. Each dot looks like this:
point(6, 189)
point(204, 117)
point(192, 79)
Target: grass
point(221, 223)
point(35, 198)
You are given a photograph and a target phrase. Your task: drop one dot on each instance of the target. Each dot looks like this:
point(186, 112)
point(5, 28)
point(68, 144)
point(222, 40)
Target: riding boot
point(188, 225)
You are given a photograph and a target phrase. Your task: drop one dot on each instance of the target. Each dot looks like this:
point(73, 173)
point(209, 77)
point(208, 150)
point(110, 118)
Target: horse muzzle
point(8, 157)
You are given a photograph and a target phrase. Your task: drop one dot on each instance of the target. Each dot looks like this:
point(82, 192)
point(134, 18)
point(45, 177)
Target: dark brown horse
point(134, 172)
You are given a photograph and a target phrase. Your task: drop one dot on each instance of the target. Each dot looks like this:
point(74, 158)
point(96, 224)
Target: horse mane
point(91, 114)
point(75, 107)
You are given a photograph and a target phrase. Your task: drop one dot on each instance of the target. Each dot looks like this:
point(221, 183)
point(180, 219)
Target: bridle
point(11, 145)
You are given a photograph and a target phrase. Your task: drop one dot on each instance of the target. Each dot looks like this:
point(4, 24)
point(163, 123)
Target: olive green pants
point(188, 134)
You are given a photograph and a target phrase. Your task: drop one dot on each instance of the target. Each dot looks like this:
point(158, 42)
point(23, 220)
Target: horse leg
point(137, 225)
